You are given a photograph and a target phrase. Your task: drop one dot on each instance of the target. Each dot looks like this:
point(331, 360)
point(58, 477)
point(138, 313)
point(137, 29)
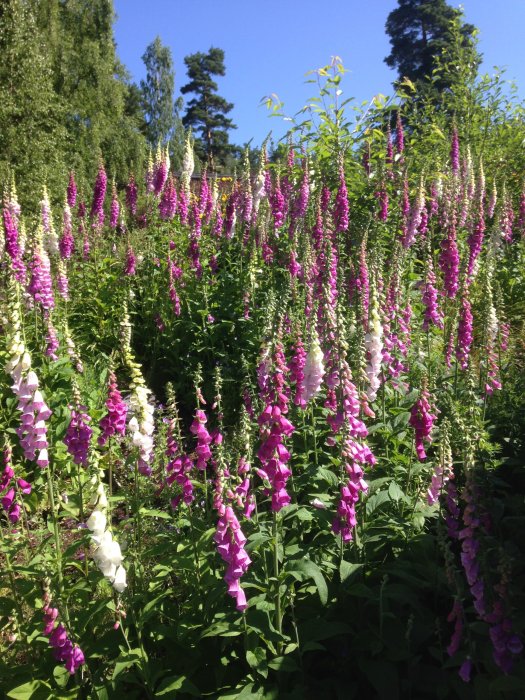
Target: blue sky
point(270, 44)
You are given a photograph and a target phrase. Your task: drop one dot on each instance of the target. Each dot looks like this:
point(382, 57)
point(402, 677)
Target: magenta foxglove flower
point(99, 194)
point(114, 209)
point(230, 541)
point(71, 191)
point(274, 427)
point(63, 648)
point(454, 152)
point(131, 195)
point(422, 420)
point(355, 454)
point(432, 313)
point(204, 439)
point(78, 436)
point(449, 261)
point(341, 206)
point(12, 245)
point(67, 242)
point(131, 262)
point(114, 422)
point(297, 365)
point(168, 202)
point(464, 339)
point(400, 134)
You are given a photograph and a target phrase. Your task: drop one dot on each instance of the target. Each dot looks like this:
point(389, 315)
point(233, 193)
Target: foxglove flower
point(464, 339)
point(432, 313)
point(78, 436)
point(99, 194)
point(341, 207)
point(131, 195)
point(449, 261)
point(422, 420)
point(374, 349)
point(114, 422)
point(63, 648)
point(313, 370)
point(105, 550)
point(67, 242)
point(114, 209)
point(71, 191)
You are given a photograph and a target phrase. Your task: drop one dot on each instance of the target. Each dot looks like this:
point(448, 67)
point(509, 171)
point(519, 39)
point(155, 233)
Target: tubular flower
point(422, 420)
point(67, 242)
point(12, 243)
point(12, 488)
point(341, 208)
point(114, 209)
point(40, 284)
point(374, 349)
point(204, 439)
point(32, 430)
point(443, 471)
point(355, 454)
point(313, 370)
point(161, 170)
point(274, 427)
point(449, 261)
point(99, 194)
point(64, 650)
point(131, 195)
point(168, 202)
point(464, 339)
point(141, 425)
point(114, 422)
point(50, 238)
point(415, 217)
point(78, 435)
point(105, 550)
point(179, 466)
point(454, 152)
point(432, 313)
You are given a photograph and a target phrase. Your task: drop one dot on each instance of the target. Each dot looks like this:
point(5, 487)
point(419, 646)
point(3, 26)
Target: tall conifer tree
point(206, 112)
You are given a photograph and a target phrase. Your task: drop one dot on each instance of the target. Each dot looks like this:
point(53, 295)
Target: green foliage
point(206, 112)
point(158, 100)
point(420, 31)
point(32, 133)
point(64, 97)
point(326, 618)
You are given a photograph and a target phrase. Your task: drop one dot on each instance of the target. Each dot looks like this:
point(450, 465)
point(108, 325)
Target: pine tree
point(206, 113)
point(419, 31)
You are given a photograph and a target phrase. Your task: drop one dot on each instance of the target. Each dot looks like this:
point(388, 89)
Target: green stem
point(56, 535)
point(275, 532)
point(19, 614)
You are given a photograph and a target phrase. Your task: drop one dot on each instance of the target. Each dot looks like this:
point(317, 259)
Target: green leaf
point(257, 660)
point(284, 664)
point(346, 570)
point(173, 683)
point(222, 629)
point(149, 513)
point(395, 493)
point(126, 661)
point(32, 689)
point(61, 676)
point(311, 570)
point(376, 500)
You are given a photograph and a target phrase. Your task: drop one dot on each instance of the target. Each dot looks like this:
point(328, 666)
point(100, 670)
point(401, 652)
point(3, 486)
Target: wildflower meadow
point(262, 433)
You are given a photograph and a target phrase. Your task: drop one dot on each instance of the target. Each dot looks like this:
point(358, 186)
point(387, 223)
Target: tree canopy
point(206, 112)
point(419, 31)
